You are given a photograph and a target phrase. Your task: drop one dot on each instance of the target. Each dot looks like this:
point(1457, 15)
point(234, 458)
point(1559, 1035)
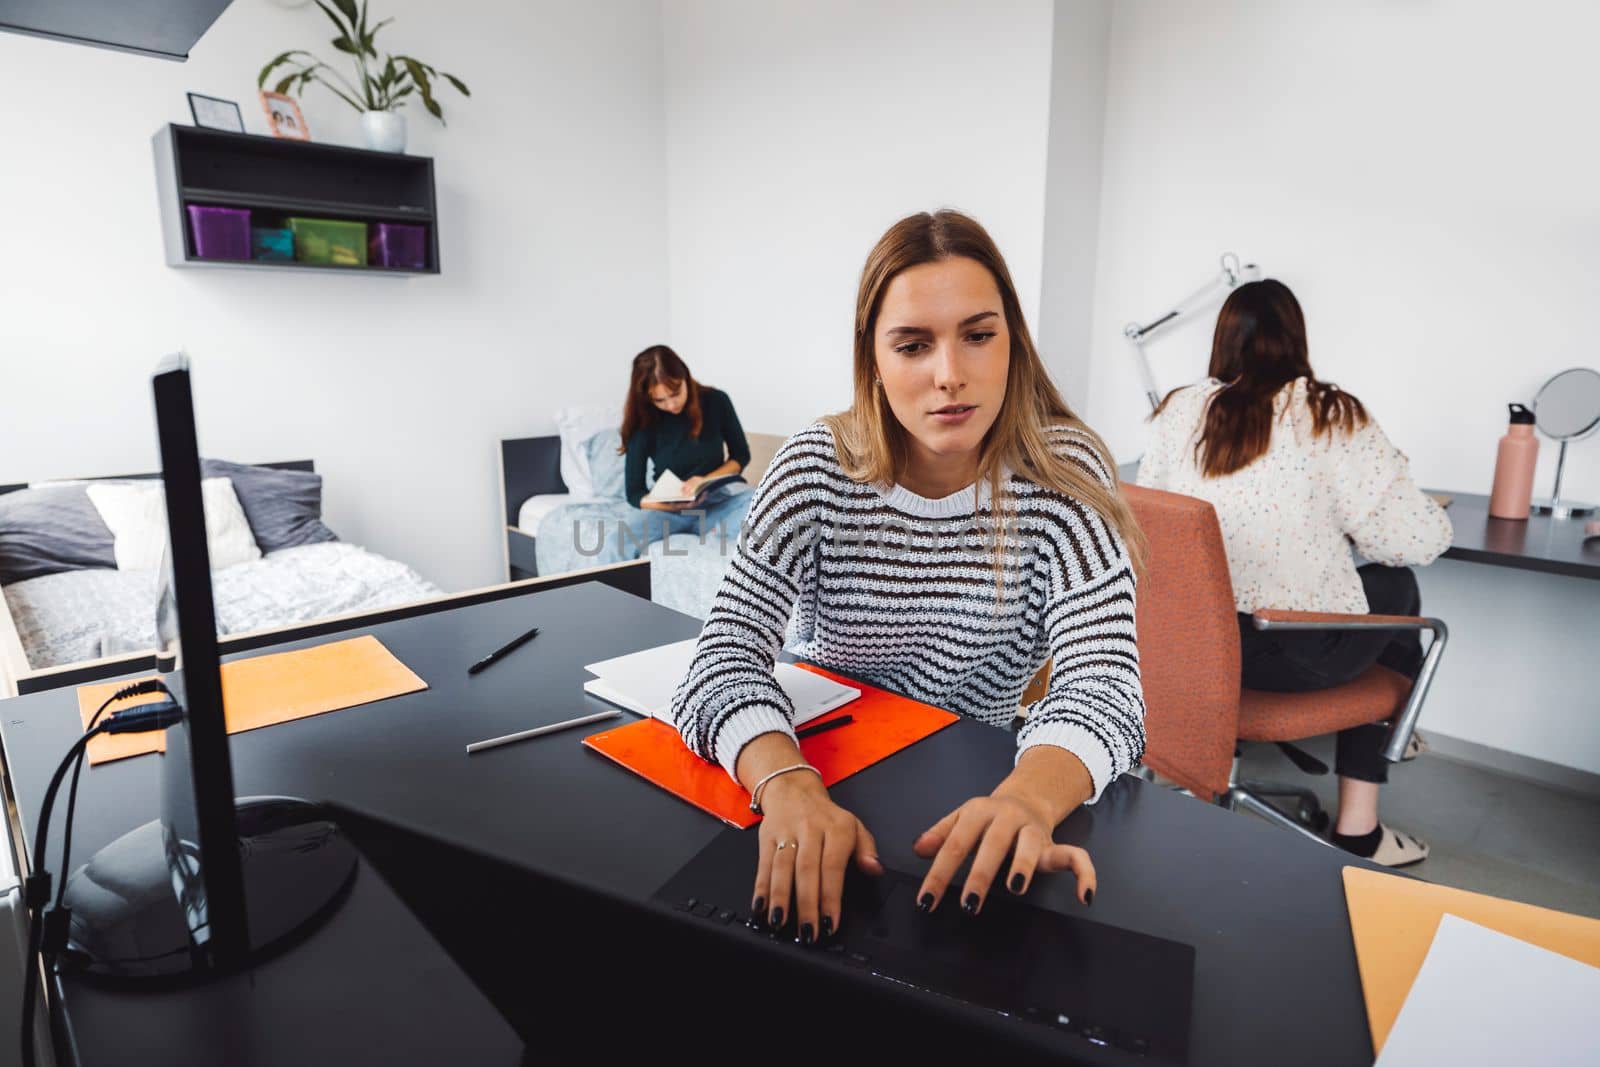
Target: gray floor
point(1489, 832)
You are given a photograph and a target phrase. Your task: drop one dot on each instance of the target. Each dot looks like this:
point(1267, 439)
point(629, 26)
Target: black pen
point(510, 646)
point(821, 727)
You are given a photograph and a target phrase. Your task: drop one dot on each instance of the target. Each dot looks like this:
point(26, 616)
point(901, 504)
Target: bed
point(65, 605)
point(548, 481)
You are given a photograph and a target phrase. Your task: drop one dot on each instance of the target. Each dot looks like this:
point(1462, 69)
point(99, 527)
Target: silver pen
point(479, 746)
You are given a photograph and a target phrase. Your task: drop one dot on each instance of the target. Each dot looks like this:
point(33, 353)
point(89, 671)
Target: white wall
point(1080, 50)
point(797, 132)
point(1421, 175)
point(552, 226)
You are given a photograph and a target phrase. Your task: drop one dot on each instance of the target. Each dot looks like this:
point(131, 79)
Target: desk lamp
point(1231, 274)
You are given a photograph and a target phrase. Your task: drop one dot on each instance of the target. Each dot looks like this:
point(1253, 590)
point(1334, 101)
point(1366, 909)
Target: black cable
point(140, 688)
point(36, 895)
point(37, 887)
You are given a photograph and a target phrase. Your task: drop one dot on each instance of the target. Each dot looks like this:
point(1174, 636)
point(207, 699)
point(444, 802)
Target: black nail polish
point(970, 905)
point(1016, 882)
point(1088, 896)
point(805, 934)
point(777, 917)
point(827, 925)
point(759, 906)
point(925, 903)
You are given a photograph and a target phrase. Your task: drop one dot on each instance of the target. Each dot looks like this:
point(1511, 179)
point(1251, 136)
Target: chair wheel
point(1318, 821)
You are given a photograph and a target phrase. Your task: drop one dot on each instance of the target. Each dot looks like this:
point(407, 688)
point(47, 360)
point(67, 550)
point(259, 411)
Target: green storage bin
point(332, 241)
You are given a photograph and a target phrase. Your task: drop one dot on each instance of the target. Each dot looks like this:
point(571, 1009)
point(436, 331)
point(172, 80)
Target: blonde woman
point(952, 529)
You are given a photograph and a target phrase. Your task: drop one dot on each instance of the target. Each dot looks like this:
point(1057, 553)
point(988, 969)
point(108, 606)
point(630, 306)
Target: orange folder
point(266, 690)
point(884, 724)
point(1393, 920)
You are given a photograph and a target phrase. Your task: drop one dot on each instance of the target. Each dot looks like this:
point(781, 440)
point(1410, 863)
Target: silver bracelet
point(755, 793)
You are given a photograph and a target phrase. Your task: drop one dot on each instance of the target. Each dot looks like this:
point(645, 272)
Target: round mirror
point(1568, 405)
point(1566, 409)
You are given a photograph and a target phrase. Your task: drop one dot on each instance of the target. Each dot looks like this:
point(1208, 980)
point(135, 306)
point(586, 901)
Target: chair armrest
point(1406, 721)
point(1274, 619)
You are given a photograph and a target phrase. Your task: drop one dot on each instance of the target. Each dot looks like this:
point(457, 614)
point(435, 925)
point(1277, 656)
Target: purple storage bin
point(397, 244)
point(220, 232)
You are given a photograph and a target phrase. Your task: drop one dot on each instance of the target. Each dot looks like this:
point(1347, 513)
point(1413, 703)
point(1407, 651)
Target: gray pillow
point(49, 530)
point(284, 508)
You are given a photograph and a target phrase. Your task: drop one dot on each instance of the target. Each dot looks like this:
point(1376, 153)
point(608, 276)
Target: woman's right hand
point(806, 841)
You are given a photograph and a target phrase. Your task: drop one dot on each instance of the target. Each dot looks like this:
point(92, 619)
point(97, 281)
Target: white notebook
point(1486, 999)
point(644, 682)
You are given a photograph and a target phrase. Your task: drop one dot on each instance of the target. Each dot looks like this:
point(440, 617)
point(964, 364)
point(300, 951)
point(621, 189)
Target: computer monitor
point(214, 883)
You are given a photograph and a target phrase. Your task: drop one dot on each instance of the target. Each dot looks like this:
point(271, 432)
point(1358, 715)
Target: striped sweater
point(899, 590)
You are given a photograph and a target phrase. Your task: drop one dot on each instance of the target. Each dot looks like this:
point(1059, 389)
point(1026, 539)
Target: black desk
point(1276, 978)
point(1540, 543)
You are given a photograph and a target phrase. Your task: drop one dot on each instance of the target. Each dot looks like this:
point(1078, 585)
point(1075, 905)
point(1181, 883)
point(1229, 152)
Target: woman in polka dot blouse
point(1298, 473)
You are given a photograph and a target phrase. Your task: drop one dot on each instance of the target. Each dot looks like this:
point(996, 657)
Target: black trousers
point(1307, 660)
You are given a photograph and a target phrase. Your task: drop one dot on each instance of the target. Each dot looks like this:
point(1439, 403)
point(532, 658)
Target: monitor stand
point(139, 907)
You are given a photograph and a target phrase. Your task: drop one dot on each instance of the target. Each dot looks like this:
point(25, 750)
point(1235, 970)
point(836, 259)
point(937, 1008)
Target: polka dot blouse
point(1290, 518)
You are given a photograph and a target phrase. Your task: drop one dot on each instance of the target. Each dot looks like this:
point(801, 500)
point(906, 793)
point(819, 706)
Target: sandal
point(1414, 748)
point(1396, 849)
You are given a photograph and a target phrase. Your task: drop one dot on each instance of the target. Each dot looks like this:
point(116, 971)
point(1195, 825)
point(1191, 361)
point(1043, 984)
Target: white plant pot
point(385, 130)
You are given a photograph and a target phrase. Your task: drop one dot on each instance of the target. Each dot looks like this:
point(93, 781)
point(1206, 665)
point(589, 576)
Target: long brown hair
point(871, 442)
point(658, 365)
point(1258, 348)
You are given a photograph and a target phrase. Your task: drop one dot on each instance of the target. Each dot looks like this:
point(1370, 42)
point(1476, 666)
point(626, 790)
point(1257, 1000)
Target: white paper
point(667, 487)
point(644, 683)
point(1485, 999)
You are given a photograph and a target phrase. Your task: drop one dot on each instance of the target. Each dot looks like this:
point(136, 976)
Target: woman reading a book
point(953, 528)
point(683, 429)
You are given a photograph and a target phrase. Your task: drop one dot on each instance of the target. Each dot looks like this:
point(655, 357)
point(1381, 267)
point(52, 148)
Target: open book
point(644, 683)
point(669, 489)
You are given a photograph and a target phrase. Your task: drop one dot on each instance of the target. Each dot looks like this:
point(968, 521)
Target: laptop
point(1072, 981)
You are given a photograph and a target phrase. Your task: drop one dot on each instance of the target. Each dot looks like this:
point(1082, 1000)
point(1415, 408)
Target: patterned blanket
point(86, 614)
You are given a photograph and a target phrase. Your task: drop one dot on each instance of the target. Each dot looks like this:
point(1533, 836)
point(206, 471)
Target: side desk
point(1539, 543)
point(1516, 691)
point(533, 865)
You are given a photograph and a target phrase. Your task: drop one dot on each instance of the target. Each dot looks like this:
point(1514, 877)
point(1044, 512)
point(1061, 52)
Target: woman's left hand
point(691, 486)
point(1007, 823)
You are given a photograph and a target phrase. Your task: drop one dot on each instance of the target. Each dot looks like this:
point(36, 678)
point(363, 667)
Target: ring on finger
point(786, 844)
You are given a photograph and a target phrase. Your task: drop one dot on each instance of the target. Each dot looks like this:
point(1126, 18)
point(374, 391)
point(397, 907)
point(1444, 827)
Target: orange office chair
point(1196, 711)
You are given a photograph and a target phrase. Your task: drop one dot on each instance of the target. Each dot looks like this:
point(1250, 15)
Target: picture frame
point(283, 117)
point(213, 113)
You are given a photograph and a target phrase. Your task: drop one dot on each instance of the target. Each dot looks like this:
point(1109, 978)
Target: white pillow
point(136, 514)
point(576, 424)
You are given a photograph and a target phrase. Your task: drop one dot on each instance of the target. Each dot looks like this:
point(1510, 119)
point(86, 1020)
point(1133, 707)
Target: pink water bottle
point(1513, 467)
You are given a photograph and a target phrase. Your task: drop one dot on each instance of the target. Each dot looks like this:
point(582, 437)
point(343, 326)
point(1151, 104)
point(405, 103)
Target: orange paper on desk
point(884, 724)
point(1393, 920)
point(266, 690)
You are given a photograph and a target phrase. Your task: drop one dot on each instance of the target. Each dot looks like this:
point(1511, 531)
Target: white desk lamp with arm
point(1231, 274)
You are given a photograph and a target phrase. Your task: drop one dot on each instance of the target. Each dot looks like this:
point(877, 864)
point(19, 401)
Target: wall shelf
point(276, 178)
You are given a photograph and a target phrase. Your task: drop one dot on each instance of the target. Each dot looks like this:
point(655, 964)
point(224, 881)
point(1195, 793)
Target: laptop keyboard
point(1084, 980)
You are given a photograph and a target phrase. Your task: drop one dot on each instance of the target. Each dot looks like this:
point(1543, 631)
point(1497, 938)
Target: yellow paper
point(1393, 920)
point(266, 690)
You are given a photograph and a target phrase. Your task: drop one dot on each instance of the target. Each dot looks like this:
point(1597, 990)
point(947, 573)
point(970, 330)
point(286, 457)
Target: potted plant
point(382, 83)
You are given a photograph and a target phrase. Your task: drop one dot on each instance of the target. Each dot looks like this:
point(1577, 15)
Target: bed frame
point(17, 678)
point(529, 466)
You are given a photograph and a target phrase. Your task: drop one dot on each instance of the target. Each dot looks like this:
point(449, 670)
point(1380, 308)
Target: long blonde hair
point(871, 442)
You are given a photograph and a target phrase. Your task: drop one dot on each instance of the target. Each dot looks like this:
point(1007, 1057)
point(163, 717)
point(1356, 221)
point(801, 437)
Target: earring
point(878, 382)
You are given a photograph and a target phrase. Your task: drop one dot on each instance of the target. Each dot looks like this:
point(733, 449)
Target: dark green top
point(668, 443)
